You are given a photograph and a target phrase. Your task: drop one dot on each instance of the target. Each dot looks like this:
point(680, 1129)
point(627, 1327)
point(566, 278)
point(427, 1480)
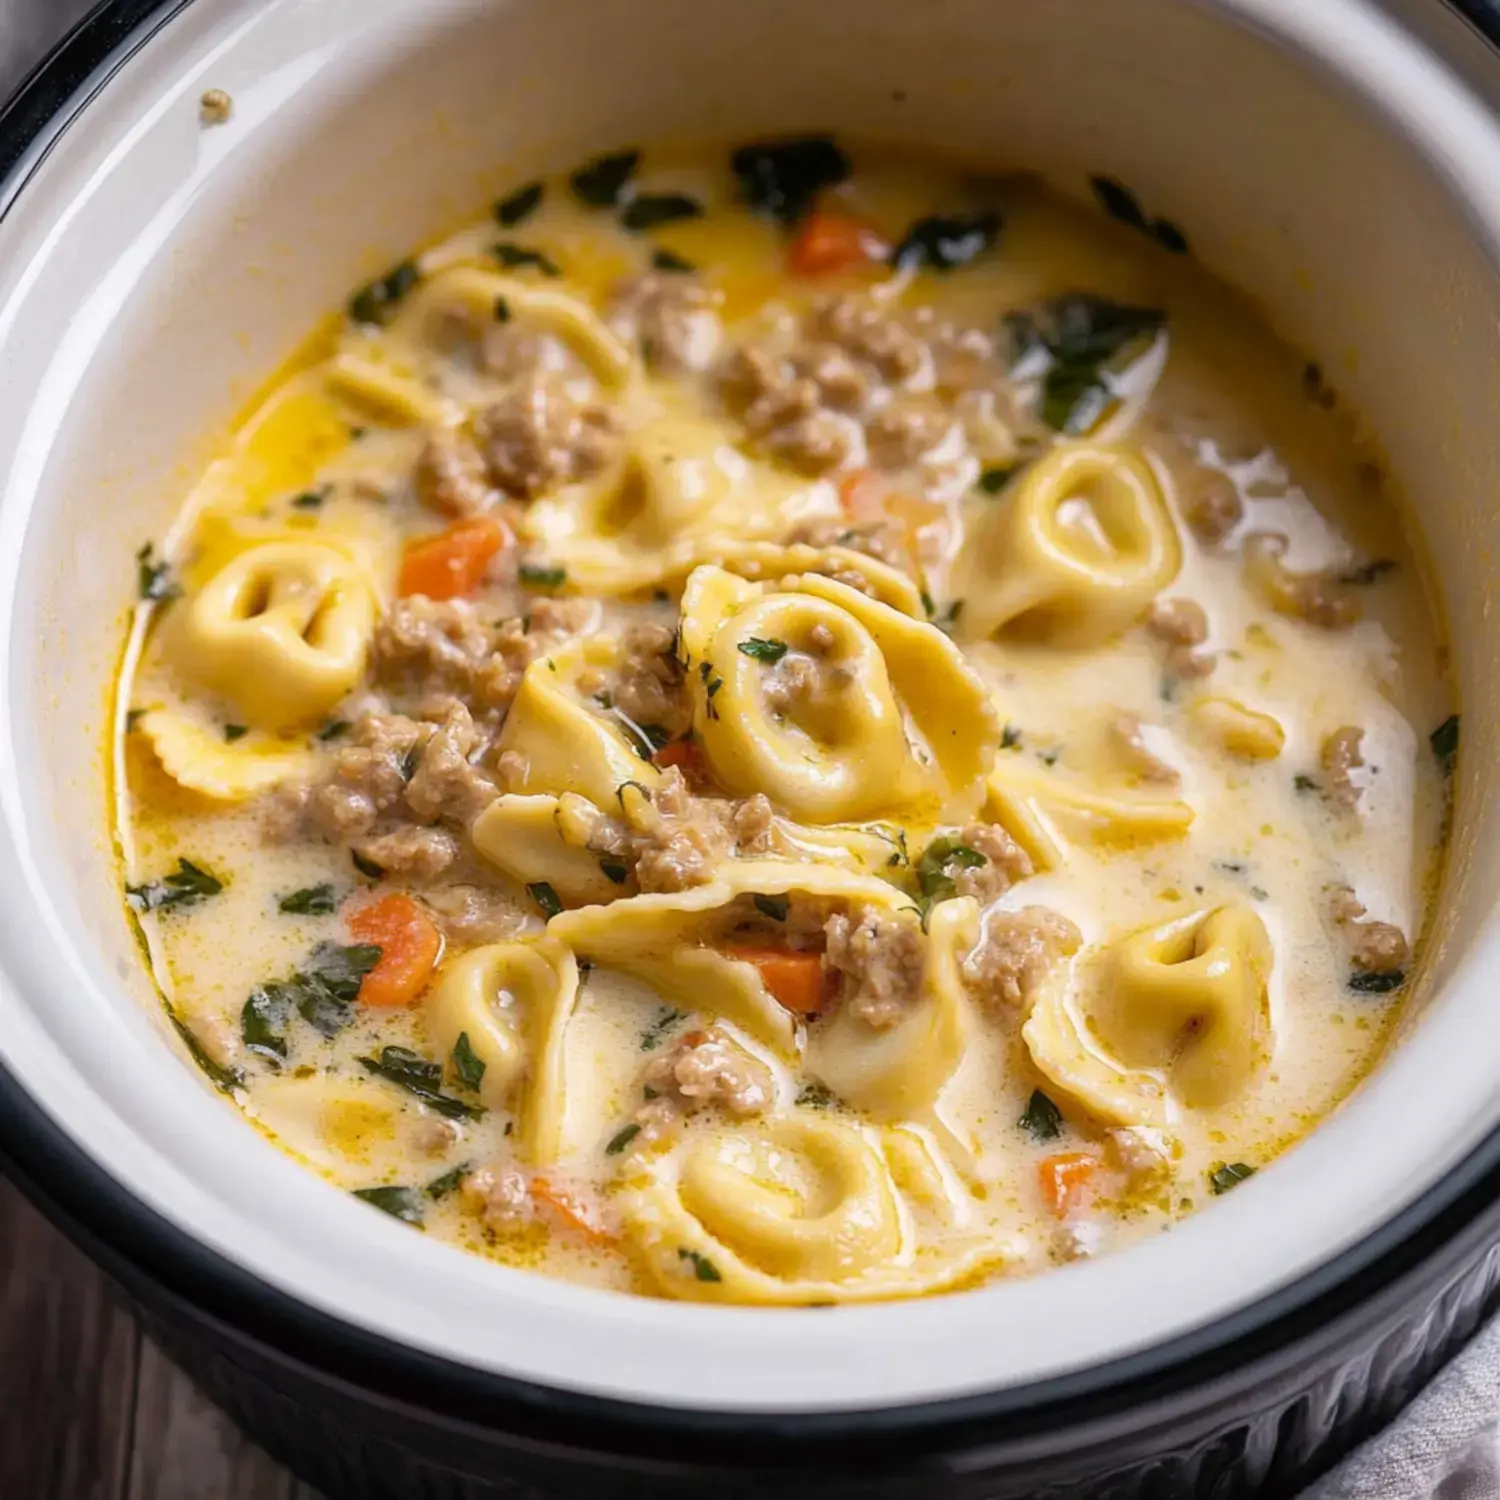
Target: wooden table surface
point(90, 1410)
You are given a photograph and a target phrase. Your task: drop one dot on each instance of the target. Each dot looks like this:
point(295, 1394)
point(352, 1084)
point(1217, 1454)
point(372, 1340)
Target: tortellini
point(196, 756)
point(796, 1211)
point(1073, 552)
point(1174, 1015)
point(512, 1001)
point(837, 707)
point(546, 839)
point(281, 632)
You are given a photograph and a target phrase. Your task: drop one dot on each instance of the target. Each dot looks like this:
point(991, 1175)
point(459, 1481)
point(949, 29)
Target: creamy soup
point(784, 729)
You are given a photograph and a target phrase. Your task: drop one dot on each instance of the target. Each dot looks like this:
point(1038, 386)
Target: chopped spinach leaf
point(224, 1079)
point(399, 1202)
point(1049, 756)
point(1118, 201)
point(545, 897)
point(613, 870)
point(703, 1268)
point(467, 1063)
point(1169, 236)
point(935, 869)
point(366, 867)
point(324, 991)
point(671, 263)
point(1303, 784)
point(374, 302)
point(943, 242)
point(817, 1096)
point(1010, 737)
point(420, 1078)
point(1444, 742)
point(154, 576)
point(1228, 1175)
point(767, 651)
point(1043, 1120)
point(518, 257)
point(265, 1018)
point(187, 885)
point(519, 205)
point(1085, 336)
point(656, 1033)
point(1370, 572)
point(600, 182)
point(310, 901)
point(651, 210)
point(312, 499)
point(233, 732)
point(783, 178)
point(993, 480)
point(538, 576)
point(774, 907)
point(334, 729)
point(440, 1187)
point(1382, 982)
point(621, 1139)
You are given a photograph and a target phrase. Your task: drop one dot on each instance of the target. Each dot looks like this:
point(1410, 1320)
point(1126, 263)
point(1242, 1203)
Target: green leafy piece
point(767, 651)
point(613, 870)
point(374, 302)
point(621, 1139)
point(541, 576)
point(233, 732)
point(366, 867)
point(154, 580)
point(311, 499)
point(420, 1078)
point(817, 1096)
point(1303, 784)
point(1376, 982)
point(399, 1202)
point(774, 907)
point(501, 310)
point(440, 1187)
point(519, 258)
point(1010, 737)
point(324, 991)
point(265, 1018)
point(519, 205)
point(545, 897)
point(1228, 1175)
point(600, 182)
point(783, 178)
point(652, 210)
point(1042, 1120)
point(187, 885)
point(1370, 572)
point(703, 1268)
point(224, 1079)
point(1086, 337)
point(994, 479)
point(656, 1033)
point(940, 859)
point(334, 729)
point(467, 1063)
point(1444, 742)
point(672, 263)
point(943, 242)
point(310, 901)
point(1118, 201)
point(1169, 236)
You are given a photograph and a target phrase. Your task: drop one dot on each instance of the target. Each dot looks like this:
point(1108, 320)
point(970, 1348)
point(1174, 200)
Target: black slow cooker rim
point(1370, 1286)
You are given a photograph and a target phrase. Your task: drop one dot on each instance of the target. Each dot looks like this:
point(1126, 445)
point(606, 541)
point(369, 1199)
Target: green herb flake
point(940, 859)
point(759, 649)
point(1228, 1175)
point(545, 897)
point(264, 1020)
point(774, 907)
point(1086, 338)
point(374, 302)
point(671, 263)
point(1118, 201)
point(520, 258)
point(233, 732)
point(154, 580)
point(943, 242)
point(1010, 737)
point(541, 576)
point(519, 205)
point(782, 179)
point(366, 867)
point(420, 1078)
point(621, 1139)
point(1042, 1120)
point(1376, 982)
point(1444, 742)
point(1370, 572)
point(334, 729)
point(501, 310)
point(656, 1033)
point(399, 1202)
point(468, 1065)
point(310, 901)
point(613, 870)
point(133, 716)
point(703, 1268)
point(311, 499)
point(224, 1079)
point(452, 1179)
point(993, 480)
point(1304, 784)
point(600, 182)
point(324, 990)
point(187, 885)
point(652, 210)
point(817, 1096)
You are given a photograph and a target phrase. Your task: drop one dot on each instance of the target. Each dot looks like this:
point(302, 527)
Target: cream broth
point(785, 731)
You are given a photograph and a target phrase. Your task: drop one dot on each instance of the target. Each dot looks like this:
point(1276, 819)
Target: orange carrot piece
point(1066, 1180)
point(828, 242)
point(796, 980)
point(409, 944)
point(862, 495)
point(453, 562)
point(573, 1209)
point(688, 757)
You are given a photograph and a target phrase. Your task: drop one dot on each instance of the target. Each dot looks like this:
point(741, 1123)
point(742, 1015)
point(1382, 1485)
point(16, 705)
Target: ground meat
point(421, 854)
point(449, 476)
point(1341, 756)
point(754, 824)
point(446, 786)
point(885, 541)
point(1318, 598)
point(905, 432)
point(512, 351)
point(794, 680)
point(707, 1069)
point(1211, 504)
point(433, 1137)
point(1017, 950)
point(839, 381)
point(814, 444)
point(671, 316)
point(1178, 622)
point(867, 331)
point(681, 839)
point(472, 914)
point(423, 646)
point(1006, 862)
point(500, 1196)
point(648, 687)
point(786, 412)
point(1128, 736)
point(368, 777)
point(879, 957)
point(538, 435)
point(1374, 947)
point(1139, 1156)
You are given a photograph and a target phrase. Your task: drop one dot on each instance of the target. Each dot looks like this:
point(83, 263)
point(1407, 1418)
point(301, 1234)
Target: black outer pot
point(1257, 1404)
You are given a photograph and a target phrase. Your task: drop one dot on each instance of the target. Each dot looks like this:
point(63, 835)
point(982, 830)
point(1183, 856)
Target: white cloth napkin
point(1444, 1446)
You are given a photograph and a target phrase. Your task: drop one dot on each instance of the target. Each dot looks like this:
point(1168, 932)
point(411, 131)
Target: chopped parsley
point(545, 897)
point(1444, 742)
point(1042, 1120)
point(422, 1079)
point(154, 576)
point(817, 1096)
point(517, 258)
point(651, 210)
point(601, 182)
point(399, 1202)
point(1376, 982)
point(519, 205)
point(656, 1033)
point(759, 649)
point(541, 576)
point(233, 732)
point(1010, 737)
point(672, 263)
point(774, 907)
point(440, 1187)
point(312, 499)
point(943, 242)
point(374, 302)
point(1228, 1175)
point(621, 1139)
point(187, 885)
point(703, 1268)
point(1303, 784)
point(467, 1063)
point(782, 179)
point(940, 859)
point(310, 901)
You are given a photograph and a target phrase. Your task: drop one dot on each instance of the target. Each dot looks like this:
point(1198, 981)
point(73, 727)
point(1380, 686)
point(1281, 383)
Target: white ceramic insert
point(153, 273)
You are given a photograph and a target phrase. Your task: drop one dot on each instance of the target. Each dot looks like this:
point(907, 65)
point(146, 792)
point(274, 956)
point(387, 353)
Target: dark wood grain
point(88, 1409)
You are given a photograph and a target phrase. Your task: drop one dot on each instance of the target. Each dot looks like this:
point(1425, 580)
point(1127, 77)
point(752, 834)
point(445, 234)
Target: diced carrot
point(865, 497)
point(687, 756)
point(1066, 1180)
point(453, 562)
point(573, 1209)
point(829, 242)
point(797, 980)
point(409, 944)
